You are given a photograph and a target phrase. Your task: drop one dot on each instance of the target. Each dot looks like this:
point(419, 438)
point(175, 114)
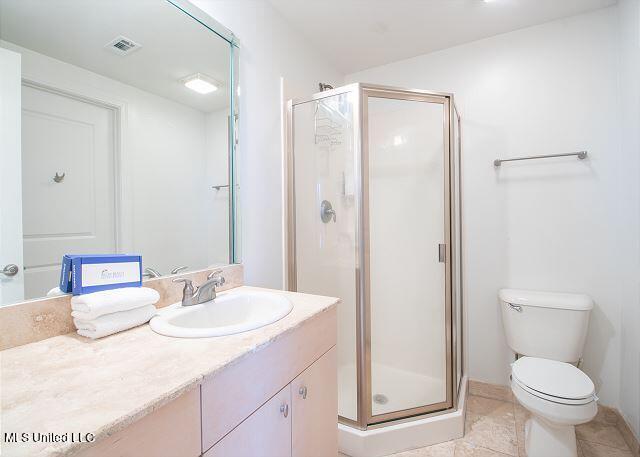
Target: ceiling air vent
point(123, 45)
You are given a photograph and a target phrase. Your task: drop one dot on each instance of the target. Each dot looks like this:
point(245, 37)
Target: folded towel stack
point(111, 311)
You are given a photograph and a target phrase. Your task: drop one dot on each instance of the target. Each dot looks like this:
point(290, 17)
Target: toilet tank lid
point(578, 302)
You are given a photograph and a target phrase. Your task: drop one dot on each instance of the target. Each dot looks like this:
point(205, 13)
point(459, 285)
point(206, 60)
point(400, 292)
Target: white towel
point(90, 306)
point(55, 292)
point(114, 322)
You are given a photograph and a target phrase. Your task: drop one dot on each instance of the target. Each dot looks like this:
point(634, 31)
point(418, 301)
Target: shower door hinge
point(442, 253)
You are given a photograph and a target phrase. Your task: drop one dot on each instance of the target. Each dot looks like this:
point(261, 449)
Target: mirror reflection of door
point(68, 183)
point(11, 285)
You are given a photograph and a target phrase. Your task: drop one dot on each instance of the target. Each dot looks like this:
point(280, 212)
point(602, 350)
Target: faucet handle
point(177, 270)
point(188, 286)
point(215, 273)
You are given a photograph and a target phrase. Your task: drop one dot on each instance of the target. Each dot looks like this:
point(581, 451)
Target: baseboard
point(606, 413)
point(627, 433)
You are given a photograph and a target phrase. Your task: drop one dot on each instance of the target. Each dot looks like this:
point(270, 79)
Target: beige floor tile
point(580, 453)
point(489, 407)
point(601, 433)
point(521, 416)
point(466, 449)
point(495, 431)
point(606, 415)
point(445, 449)
point(588, 449)
point(496, 392)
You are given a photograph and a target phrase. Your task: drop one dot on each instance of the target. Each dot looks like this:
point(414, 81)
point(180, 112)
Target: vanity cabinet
point(277, 400)
point(299, 421)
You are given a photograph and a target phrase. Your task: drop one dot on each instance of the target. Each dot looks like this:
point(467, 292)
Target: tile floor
point(495, 428)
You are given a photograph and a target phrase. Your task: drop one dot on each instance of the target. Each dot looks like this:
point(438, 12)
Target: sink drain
point(380, 399)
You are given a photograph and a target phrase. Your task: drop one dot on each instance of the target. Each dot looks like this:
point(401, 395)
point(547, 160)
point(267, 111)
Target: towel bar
point(580, 154)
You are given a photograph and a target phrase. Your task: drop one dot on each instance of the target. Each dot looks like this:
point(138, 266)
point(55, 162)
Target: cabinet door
point(315, 409)
point(266, 433)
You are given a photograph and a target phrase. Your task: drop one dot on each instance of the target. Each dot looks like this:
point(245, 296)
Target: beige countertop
point(70, 384)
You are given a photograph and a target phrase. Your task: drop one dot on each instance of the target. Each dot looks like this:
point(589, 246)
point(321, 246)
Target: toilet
point(547, 332)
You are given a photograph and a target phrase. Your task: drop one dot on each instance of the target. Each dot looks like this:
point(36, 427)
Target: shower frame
point(361, 93)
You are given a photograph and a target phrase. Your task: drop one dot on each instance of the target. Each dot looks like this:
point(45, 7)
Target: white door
point(67, 183)
point(11, 284)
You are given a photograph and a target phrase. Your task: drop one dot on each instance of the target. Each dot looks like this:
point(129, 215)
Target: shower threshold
point(403, 435)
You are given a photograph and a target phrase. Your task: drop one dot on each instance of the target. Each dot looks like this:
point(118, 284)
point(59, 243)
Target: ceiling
point(359, 34)
point(173, 45)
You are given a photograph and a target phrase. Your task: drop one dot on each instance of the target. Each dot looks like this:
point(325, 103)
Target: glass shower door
point(325, 215)
point(406, 223)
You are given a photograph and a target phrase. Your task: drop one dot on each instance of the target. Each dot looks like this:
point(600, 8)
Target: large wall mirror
point(117, 134)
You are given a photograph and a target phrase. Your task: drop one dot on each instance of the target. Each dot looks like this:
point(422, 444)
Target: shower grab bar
point(581, 155)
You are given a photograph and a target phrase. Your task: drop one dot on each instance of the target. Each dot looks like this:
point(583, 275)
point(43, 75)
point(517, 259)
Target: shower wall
point(325, 253)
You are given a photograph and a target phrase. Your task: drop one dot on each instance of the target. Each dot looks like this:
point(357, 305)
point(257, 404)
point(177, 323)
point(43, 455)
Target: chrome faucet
point(206, 292)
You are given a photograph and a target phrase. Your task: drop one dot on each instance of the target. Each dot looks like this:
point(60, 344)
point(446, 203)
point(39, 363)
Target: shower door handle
point(442, 253)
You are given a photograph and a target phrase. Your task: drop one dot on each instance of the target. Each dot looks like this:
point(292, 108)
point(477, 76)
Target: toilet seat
point(554, 381)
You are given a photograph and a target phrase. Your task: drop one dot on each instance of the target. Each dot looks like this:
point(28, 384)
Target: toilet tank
point(549, 325)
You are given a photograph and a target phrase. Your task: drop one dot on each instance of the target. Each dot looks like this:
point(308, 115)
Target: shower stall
point(373, 214)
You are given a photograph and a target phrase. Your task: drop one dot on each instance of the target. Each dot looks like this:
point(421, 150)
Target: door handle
point(10, 270)
point(442, 253)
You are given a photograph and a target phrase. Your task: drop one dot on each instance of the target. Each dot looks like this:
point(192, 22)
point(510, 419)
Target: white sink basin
point(229, 313)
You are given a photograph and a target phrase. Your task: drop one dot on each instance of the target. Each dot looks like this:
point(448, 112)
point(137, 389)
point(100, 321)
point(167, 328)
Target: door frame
point(404, 95)
point(123, 208)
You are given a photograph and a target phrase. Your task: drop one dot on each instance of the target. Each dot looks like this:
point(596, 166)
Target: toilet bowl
point(559, 397)
point(547, 330)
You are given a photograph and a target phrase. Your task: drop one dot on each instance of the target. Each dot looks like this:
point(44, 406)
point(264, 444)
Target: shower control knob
point(284, 409)
point(327, 212)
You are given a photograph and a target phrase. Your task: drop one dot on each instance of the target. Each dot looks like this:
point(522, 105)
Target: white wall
point(554, 225)
point(269, 49)
point(217, 173)
point(165, 184)
point(629, 17)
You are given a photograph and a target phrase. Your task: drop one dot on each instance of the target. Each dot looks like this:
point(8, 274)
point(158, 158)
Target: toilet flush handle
point(515, 307)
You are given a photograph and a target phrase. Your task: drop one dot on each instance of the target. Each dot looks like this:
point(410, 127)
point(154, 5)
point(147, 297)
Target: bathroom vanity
point(269, 391)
